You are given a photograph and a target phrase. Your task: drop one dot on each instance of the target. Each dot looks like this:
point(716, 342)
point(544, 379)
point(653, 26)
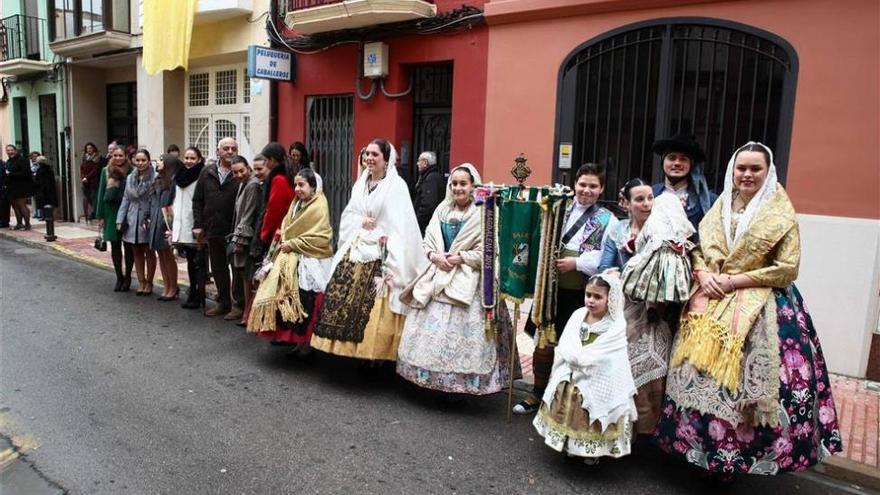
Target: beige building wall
point(5, 132)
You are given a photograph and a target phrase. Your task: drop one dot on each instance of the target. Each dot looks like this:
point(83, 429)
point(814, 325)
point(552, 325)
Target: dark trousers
point(118, 250)
point(227, 297)
point(197, 270)
point(567, 302)
point(4, 210)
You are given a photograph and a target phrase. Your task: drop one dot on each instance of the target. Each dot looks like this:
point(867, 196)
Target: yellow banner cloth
point(168, 26)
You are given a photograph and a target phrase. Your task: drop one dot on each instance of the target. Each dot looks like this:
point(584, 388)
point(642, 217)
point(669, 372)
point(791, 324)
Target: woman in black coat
point(19, 186)
point(45, 191)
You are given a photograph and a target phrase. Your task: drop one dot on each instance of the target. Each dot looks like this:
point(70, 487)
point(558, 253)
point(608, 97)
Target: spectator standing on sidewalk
point(133, 219)
point(162, 196)
point(89, 169)
point(299, 157)
point(111, 147)
point(182, 230)
point(35, 165)
point(429, 189)
point(110, 190)
point(19, 186)
point(213, 209)
point(247, 207)
point(4, 200)
point(45, 191)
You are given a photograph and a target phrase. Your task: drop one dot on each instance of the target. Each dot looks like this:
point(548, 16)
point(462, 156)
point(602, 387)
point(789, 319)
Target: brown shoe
point(216, 311)
point(233, 315)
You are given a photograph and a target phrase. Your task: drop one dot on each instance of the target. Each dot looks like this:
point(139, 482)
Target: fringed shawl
point(768, 252)
point(306, 229)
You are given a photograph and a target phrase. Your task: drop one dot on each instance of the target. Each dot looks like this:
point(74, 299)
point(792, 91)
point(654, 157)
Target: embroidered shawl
point(768, 252)
point(306, 228)
point(396, 220)
point(459, 285)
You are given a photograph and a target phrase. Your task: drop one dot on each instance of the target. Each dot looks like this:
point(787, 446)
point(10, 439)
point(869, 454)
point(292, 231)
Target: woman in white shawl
point(445, 345)
point(588, 408)
point(379, 246)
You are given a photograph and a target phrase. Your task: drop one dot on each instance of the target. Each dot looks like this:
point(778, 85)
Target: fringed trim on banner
point(547, 335)
point(711, 348)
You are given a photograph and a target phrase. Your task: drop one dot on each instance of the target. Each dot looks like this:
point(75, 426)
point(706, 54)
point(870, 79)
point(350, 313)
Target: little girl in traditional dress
point(588, 409)
point(660, 272)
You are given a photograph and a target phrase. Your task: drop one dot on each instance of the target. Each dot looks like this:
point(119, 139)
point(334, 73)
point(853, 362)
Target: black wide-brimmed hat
point(683, 143)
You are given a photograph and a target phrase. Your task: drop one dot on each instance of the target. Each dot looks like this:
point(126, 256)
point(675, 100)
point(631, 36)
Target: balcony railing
point(22, 37)
point(285, 6)
point(321, 16)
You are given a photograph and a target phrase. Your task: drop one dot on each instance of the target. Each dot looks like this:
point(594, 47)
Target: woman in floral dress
point(747, 389)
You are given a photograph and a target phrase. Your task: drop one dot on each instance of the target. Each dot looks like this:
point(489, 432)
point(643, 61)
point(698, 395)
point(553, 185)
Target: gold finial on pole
point(520, 170)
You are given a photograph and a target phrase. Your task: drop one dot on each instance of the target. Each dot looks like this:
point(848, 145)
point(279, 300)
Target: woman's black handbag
point(100, 243)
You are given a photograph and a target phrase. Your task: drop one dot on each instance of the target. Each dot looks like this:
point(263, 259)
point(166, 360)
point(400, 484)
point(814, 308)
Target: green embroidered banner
point(519, 240)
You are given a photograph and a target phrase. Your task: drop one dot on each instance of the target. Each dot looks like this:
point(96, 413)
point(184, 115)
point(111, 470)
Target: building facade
point(432, 98)
point(801, 76)
point(33, 111)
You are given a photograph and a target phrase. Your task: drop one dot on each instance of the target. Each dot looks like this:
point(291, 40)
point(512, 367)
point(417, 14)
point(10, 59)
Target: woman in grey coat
point(133, 219)
point(162, 198)
point(248, 200)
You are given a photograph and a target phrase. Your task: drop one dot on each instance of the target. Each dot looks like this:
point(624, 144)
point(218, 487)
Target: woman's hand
point(454, 259)
point(709, 283)
point(567, 264)
point(441, 261)
point(285, 247)
point(369, 223)
point(118, 227)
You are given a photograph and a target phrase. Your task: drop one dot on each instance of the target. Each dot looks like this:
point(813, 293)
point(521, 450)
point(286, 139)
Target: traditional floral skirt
point(444, 347)
point(798, 428)
point(565, 426)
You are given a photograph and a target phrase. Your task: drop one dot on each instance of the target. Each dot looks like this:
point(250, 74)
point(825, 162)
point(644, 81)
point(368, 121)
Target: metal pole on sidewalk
point(49, 216)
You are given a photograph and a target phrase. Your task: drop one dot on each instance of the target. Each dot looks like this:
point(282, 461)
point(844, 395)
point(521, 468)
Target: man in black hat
point(683, 175)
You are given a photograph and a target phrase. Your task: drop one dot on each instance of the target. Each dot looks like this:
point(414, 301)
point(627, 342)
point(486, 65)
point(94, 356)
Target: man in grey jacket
point(213, 210)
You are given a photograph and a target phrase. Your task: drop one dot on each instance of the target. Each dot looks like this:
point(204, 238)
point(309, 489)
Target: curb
point(68, 253)
point(843, 469)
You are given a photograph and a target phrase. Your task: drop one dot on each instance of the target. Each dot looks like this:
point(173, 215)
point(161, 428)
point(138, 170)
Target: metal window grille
point(432, 113)
point(330, 140)
point(199, 85)
point(225, 87)
point(198, 132)
point(724, 83)
point(246, 84)
point(246, 127)
point(122, 113)
point(224, 128)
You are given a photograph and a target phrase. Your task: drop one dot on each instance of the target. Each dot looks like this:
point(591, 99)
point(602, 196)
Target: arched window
point(724, 82)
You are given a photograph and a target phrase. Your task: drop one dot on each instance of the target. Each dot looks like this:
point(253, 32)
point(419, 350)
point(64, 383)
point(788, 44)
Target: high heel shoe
point(126, 284)
point(118, 287)
point(172, 297)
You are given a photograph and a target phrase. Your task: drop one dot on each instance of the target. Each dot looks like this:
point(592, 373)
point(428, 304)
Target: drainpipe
point(273, 87)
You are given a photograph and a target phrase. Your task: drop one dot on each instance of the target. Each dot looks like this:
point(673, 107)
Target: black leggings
point(197, 269)
point(116, 250)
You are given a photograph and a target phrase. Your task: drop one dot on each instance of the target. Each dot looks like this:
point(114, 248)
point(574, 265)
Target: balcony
point(22, 46)
point(319, 16)
point(84, 28)
point(218, 10)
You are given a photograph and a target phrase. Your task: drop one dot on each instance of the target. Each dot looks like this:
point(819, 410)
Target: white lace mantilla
point(313, 273)
point(648, 344)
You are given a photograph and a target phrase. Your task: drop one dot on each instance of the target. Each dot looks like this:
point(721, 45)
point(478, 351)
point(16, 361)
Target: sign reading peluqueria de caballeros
point(266, 63)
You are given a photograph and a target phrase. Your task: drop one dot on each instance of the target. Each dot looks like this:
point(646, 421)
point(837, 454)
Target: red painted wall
point(333, 72)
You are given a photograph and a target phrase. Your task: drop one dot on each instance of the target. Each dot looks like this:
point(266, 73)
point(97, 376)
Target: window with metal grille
point(724, 82)
point(199, 84)
point(222, 129)
point(330, 141)
point(432, 114)
point(199, 132)
point(246, 88)
point(225, 84)
point(246, 127)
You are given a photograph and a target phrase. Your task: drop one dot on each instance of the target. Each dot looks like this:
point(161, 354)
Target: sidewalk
point(858, 400)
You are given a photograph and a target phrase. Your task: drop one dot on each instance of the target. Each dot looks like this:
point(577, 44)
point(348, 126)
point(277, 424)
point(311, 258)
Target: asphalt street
point(111, 393)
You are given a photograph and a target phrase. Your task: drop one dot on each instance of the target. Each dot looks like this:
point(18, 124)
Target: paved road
point(112, 393)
